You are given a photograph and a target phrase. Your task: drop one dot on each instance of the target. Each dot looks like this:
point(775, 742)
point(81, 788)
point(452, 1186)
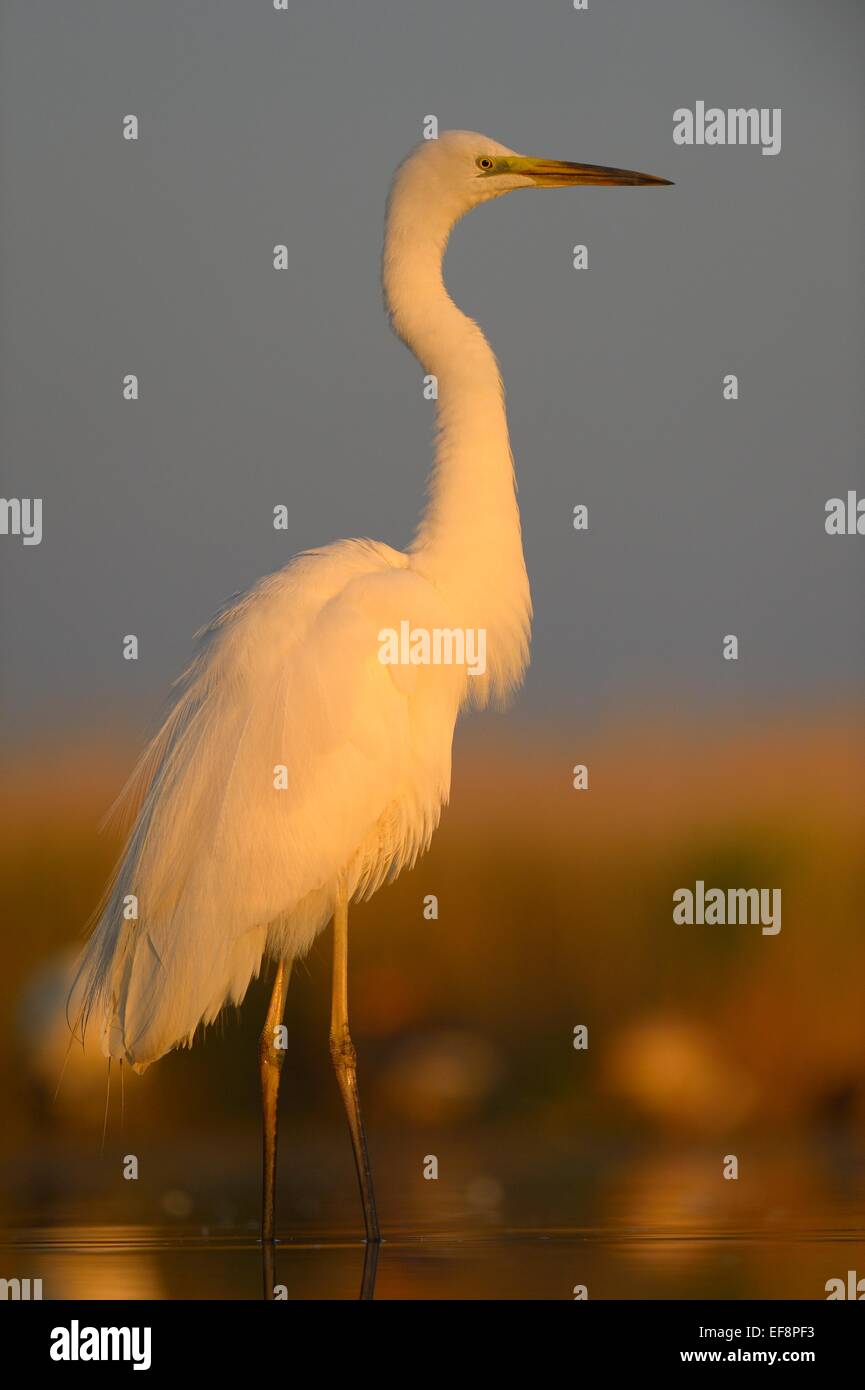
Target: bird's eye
point(484, 162)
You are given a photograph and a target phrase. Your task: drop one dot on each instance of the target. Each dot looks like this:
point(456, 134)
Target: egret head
point(461, 169)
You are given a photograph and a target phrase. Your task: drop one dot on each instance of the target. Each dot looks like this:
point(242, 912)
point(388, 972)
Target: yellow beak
point(561, 173)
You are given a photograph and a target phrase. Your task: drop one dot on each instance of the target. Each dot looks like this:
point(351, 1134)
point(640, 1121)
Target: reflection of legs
point(270, 1059)
point(268, 1268)
point(370, 1263)
point(345, 1064)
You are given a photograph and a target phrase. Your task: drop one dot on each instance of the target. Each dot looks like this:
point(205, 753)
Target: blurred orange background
point(554, 910)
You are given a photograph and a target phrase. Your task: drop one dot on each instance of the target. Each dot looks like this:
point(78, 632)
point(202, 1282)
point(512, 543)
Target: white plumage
point(227, 868)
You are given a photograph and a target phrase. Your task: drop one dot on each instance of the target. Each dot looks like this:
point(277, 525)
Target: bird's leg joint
point(342, 1050)
point(271, 1046)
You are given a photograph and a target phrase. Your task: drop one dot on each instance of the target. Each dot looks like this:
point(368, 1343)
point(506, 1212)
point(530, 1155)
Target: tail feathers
point(143, 1005)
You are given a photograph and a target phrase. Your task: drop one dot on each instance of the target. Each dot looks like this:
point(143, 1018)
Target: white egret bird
point(298, 770)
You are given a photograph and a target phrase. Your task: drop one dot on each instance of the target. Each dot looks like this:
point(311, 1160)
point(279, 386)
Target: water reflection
point(273, 1290)
point(503, 1221)
point(506, 1265)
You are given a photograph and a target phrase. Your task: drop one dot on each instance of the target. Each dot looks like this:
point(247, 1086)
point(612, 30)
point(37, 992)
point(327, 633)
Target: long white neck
point(468, 541)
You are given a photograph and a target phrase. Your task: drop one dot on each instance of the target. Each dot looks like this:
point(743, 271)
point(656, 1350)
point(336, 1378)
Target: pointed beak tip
point(552, 173)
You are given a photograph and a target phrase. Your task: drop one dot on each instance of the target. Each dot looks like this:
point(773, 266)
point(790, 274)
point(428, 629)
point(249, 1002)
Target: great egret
point(298, 768)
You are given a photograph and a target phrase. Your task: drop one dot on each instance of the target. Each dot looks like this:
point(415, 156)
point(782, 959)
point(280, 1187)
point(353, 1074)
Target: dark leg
point(270, 1059)
point(345, 1064)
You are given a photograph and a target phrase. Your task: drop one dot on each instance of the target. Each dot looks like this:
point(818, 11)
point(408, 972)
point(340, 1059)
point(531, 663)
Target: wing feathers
point(291, 757)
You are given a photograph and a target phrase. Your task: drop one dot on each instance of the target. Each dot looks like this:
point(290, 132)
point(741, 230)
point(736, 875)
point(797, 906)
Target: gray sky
point(706, 517)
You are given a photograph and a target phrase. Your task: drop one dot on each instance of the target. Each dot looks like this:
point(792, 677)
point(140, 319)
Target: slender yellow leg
point(345, 1064)
point(270, 1060)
